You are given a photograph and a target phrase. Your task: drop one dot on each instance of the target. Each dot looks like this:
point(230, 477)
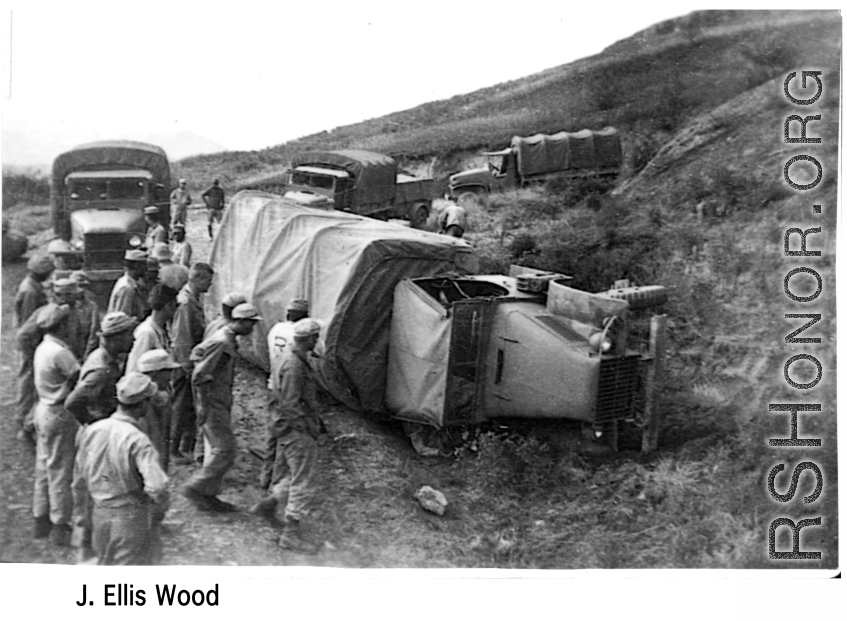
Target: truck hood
point(114, 220)
point(310, 199)
point(475, 176)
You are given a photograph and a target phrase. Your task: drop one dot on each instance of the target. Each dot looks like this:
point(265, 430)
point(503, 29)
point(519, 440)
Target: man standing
point(118, 472)
point(30, 296)
point(89, 314)
point(230, 301)
point(453, 221)
point(214, 199)
point(187, 331)
point(156, 233)
point(180, 200)
point(152, 333)
point(158, 365)
point(93, 397)
point(128, 293)
point(171, 274)
point(181, 249)
point(214, 370)
point(56, 369)
point(296, 425)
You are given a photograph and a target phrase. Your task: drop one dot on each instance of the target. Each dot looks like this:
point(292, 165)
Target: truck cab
point(498, 174)
point(319, 187)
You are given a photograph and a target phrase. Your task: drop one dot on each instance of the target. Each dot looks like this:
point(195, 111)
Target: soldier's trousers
point(123, 535)
point(219, 454)
point(26, 395)
point(183, 416)
point(294, 473)
point(56, 430)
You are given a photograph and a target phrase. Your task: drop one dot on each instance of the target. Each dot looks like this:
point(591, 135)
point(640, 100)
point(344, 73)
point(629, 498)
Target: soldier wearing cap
point(152, 333)
point(56, 369)
point(158, 365)
point(93, 397)
point(230, 301)
point(213, 196)
point(119, 477)
point(296, 425)
point(188, 326)
point(81, 331)
point(156, 233)
point(214, 370)
point(181, 249)
point(88, 312)
point(170, 274)
point(128, 293)
point(30, 296)
point(180, 200)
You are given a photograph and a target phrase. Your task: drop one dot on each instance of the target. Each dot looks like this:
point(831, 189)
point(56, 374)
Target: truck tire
point(418, 216)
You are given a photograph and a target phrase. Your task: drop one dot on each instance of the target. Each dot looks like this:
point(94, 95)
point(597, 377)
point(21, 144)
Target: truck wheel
point(418, 215)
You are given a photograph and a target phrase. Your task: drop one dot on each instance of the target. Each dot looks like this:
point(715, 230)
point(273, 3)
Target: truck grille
point(618, 383)
point(105, 250)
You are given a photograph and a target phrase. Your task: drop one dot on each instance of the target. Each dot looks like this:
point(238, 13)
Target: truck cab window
point(88, 191)
point(127, 189)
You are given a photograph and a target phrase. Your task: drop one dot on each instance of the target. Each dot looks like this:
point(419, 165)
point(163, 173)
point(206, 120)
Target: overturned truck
point(411, 332)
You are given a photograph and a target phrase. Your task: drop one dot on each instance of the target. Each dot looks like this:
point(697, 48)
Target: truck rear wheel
point(418, 216)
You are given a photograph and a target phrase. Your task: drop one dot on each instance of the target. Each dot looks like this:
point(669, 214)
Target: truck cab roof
point(136, 173)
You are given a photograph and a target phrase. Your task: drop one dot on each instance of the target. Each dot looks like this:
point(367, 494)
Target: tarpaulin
point(585, 149)
point(374, 174)
point(273, 250)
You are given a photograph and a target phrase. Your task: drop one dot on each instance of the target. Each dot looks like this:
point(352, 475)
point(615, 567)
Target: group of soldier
point(114, 401)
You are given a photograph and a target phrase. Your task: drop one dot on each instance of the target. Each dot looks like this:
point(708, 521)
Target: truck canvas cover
point(585, 149)
point(273, 250)
point(106, 155)
point(375, 174)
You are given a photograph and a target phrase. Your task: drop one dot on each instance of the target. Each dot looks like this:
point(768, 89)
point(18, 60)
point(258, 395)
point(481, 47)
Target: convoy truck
point(410, 332)
point(360, 182)
point(542, 157)
point(98, 194)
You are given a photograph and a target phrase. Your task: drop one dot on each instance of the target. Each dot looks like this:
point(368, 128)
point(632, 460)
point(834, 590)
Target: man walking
point(214, 199)
point(214, 370)
point(119, 473)
point(128, 295)
point(180, 200)
point(296, 426)
point(188, 326)
point(56, 369)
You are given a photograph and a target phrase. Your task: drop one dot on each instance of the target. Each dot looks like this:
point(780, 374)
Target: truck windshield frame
point(82, 190)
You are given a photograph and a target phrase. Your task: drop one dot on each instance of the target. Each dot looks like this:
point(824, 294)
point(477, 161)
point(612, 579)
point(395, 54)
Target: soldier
point(30, 296)
point(230, 301)
point(93, 397)
point(214, 199)
point(128, 293)
point(453, 221)
point(181, 249)
point(188, 326)
point(56, 369)
point(156, 233)
point(296, 426)
point(152, 333)
point(180, 200)
point(170, 274)
point(158, 365)
point(119, 474)
point(89, 314)
point(214, 370)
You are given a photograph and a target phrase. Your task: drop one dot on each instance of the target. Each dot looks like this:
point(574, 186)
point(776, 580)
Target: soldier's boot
point(292, 538)
point(41, 527)
point(210, 232)
point(265, 507)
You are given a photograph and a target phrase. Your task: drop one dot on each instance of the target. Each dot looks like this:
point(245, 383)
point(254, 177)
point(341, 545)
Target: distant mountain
point(24, 149)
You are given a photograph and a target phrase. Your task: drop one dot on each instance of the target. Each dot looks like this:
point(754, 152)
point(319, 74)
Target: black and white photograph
point(509, 289)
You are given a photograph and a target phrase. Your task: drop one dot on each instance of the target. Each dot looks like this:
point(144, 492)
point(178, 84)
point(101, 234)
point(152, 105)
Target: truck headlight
point(77, 244)
point(600, 342)
point(135, 241)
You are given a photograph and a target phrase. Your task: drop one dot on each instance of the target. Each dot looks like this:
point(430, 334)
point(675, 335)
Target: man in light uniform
point(187, 329)
point(56, 369)
point(171, 274)
point(181, 248)
point(180, 200)
point(230, 301)
point(158, 365)
point(214, 371)
point(128, 294)
point(156, 233)
point(453, 221)
point(296, 426)
point(152, 333)
point(93, 397)
point(119, 473)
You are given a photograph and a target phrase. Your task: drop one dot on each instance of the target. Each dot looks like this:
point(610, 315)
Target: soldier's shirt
point(214, 368)
point(54, 365)
point(30, 296)
point(127, 297)
point(188, 324)
point(95, 394)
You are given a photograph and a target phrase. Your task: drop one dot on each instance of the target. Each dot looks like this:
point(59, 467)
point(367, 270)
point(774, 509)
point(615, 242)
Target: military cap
point(135, 387)
point(307, 327)
point(40, 264)
point(66, 285)
point(80, 277)
point(179, 226)
point(182, 181)
point(298, 304)
point(155, 360)
point(233, 299)
point(150, 210)
point(139, 256)
point(115, 323)
point(246, 311)
point(50, 315)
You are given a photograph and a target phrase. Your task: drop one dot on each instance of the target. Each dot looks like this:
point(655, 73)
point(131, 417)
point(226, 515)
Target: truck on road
point(360, 182)
point(98, 194)
point(541, 157)
point(412, 333)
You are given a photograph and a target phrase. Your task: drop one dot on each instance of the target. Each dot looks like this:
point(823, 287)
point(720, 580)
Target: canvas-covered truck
point(98, 194)
point(411, 332)
point(360, 182)
point(542, 157)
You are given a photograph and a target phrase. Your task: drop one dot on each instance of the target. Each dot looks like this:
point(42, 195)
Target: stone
point(432, 500)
